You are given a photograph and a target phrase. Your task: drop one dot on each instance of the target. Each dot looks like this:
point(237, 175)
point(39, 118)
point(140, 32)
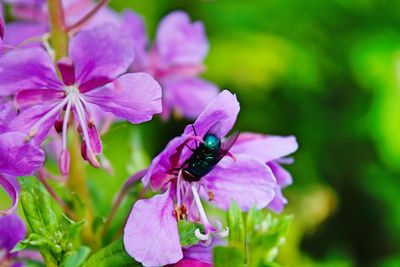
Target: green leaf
point(265, 234)
point(40, 210)
point(236, 226)
point(113, 255)
point(186, 232)
point(228, 256)
point(76, 258)
point(53, 234)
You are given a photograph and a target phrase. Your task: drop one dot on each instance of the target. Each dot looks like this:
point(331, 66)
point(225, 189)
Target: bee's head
point(212, 143)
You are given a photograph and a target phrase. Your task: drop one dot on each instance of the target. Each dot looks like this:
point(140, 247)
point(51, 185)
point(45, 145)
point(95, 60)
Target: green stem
point(77, 182)
point(58, 34)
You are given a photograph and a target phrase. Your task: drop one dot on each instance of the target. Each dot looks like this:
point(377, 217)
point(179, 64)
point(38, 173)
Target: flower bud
point(64, 162)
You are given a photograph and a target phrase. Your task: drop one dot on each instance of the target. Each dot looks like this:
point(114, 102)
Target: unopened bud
point(58, 124)
point(64, 162)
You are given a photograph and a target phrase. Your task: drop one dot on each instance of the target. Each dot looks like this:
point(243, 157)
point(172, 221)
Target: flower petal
point(29, 68)
point(37, 96)
point(179, 41)
point(190, 96)
point(12, 192)
point(67, 70)
point(278, 203)
point(25, 31)
point(134, 96)
point(283, 177)
point(247, 181)
point(224, 109)
point(191, 263)
point(110, 53)
point(157, 175)
point(17, 157)
point(151, 232)
point(133, 25)
point(12, 230)
point(7, 113)
point(1, 25)
point(27, 118)
point(265, 147)
point(203, 253)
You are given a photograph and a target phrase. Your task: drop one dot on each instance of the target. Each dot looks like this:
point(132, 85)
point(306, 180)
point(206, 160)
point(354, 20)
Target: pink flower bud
point(1, 27)
point(64, 162)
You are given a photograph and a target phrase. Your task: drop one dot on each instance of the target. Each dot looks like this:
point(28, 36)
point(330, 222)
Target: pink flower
point(245, 180)
point(175, 60)
point(271, 150)
point(17, 158)
point(91, 81)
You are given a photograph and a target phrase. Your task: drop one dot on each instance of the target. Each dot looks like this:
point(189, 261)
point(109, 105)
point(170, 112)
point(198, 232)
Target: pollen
point(180, 213)
point(210, 196)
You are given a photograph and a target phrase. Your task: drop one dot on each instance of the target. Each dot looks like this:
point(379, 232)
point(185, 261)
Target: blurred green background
point(329, 73)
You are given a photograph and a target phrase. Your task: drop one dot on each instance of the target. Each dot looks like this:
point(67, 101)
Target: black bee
point(206, 155)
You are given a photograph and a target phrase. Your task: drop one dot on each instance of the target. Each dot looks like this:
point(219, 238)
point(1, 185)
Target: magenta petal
point(223, 109)
point(12, 192)
point(190, 96)
point(93, 84)
point(151, 232)
point(67, 70)
point(278, 203)
point(133, 25)
point(37, 96)
point(157, 174)
point(283, 177)
point(247, 181)
point(19, 32)
point(28, 117)
point(17, 157)
point(179, 41)
point(1, 26)
point(265, 147)
point(134, 96)
point(191, 263)
point(12, 230)
point(29, 68)
point(201, 253)
point(100, 52)
point(7, 113)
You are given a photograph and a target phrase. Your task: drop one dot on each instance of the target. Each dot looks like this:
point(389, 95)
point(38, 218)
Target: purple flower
point(246, 180)
point(191, 263)
point(90, 81)
point(175, 60)
point(12, 230)
point(36, 11)
point(17, 158)
point(271, 150)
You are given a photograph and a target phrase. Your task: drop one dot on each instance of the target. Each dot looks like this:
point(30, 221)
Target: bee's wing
point(215, 129)
point(227, 144)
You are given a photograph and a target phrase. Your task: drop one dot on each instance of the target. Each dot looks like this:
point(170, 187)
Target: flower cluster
point(110, 72)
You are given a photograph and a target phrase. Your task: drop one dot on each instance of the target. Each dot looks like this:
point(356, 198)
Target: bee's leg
point(195, 133)
point(229, 154)
point(191, 149)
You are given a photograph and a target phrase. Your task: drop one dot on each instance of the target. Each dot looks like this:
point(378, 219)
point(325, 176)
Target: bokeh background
point(327, 72)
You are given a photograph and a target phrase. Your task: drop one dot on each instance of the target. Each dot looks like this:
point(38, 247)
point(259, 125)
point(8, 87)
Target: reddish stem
point(120, 197)
point(87, 17)
point(54, 195)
